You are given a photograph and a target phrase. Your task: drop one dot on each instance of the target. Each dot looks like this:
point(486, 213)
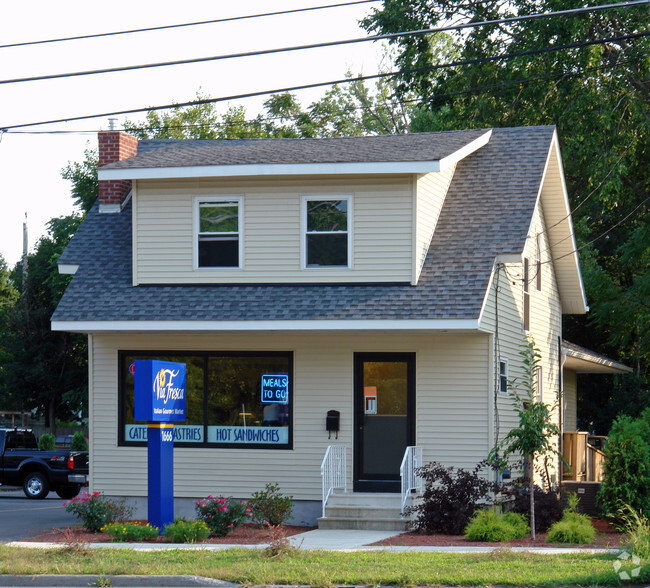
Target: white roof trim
point(290, 169)
point(306, 325)
point(468, 149)
point(68, 268)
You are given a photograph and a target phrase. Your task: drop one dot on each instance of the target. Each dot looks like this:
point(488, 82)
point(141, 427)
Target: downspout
point(563, 358)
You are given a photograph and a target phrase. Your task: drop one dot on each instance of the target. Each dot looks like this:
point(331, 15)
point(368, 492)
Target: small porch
point(584, 458)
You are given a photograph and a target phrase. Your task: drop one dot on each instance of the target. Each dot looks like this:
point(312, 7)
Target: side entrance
point(384, 417)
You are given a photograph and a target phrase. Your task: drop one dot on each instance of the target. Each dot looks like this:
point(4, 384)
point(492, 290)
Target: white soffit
point(68, 268)
point(255, 326)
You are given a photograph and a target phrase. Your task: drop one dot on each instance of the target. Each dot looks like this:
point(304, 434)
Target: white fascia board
point(256, 326)
point(468, 149)
point(297, 169)
point(68, 268)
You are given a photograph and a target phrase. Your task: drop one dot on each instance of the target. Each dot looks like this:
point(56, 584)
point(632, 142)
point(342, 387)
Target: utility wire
point(320, 45)
point(503, 56)
point(187, 24)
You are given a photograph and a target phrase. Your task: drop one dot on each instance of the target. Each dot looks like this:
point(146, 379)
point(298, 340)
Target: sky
point(31, 162)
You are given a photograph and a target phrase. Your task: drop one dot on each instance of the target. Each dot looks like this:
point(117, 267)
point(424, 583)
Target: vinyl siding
point(570, 401)
point(431, 191)
point(451, 406)
point(545, 324)
point(271, 230)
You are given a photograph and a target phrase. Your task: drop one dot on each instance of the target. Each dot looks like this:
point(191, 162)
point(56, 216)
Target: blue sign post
point(160, 400)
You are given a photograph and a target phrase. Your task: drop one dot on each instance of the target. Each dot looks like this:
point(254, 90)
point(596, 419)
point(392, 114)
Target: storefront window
point(233, 399)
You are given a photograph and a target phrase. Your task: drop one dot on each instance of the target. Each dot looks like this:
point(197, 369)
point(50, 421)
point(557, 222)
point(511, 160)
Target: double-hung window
point(326, 222)
point(218, 232)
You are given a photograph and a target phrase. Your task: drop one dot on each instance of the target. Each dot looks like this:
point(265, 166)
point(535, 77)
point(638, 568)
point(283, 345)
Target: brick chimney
point(114, 146)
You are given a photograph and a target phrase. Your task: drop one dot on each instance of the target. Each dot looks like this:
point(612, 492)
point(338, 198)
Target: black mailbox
point(332, 422)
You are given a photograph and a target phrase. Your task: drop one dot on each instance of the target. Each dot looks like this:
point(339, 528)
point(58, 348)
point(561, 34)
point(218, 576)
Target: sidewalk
point(326, 539)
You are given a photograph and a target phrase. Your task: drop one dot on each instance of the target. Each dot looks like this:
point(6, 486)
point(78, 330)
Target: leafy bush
point(549, 504)
point(636, 527)
point(487, 525)
point(130, 531)
point(626, 477)
point(79, 442)
point(95, 510)
point(572, 528)
point(47, 442)
point(221, 515)
point(450, 498)
point(184, 531)
point(270, 506)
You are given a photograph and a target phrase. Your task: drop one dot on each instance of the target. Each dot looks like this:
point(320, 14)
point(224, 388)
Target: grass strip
point(326, 568)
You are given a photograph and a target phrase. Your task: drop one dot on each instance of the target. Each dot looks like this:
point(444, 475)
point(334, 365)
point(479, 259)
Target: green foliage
point(626, 477)
point(573, 528)
point(636, 527)
point(451, 497)
point(487, 525)
point(221, 515)
point(47, 442)
point(79, 442)
point(95, 510)
point(270, 506)
point(184, 531)
point(549, 503)
point(85, 185)
point(130, 531)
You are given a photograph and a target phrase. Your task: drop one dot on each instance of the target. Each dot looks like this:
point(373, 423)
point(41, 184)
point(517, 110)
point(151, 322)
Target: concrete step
point(363, 512)
point(365, 524)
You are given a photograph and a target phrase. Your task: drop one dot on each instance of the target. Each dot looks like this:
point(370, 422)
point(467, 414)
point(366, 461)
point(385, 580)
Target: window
point(503, 376)
point(218, 238)
point(540, 383)
point(238, 399)
point(327, 232)
point(526, 296)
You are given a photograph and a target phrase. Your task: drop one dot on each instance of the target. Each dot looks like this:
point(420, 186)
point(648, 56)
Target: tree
point(598, 95)
point(534, 438)
point(85, 185)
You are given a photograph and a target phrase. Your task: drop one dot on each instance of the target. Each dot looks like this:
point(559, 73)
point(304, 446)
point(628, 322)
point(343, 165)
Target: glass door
point(384, 418)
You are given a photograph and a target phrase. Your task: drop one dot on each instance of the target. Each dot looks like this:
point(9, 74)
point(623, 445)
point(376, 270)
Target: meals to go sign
point(275, 388)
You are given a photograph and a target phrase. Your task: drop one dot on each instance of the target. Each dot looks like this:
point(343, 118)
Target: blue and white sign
point(245, 435)
point(159, 390)
point(182, 433)
point(275, 388)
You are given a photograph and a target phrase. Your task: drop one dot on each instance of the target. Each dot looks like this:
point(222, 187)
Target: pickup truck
point(38, 472)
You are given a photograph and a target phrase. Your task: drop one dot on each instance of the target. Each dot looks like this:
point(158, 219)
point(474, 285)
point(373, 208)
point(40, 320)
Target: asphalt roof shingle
point(487, 212)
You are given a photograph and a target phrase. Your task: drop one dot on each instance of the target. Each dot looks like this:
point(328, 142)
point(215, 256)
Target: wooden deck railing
point(586, 460)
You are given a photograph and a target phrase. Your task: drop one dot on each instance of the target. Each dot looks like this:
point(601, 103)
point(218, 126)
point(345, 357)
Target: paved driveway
point(21, 517)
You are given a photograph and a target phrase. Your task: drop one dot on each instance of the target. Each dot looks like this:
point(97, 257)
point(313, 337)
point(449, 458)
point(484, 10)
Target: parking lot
point(21, 517)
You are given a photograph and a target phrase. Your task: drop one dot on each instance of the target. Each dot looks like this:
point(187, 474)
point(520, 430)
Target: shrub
point(636, 527)
point(47, 442)
point(572, 528)
point(270, 506)
point(184, 531)
point(130, 531)
point(79, 442)
point(626, 477)
point(450, 498)
point(549, 504)
point(221, 515)
point(487, 525)
point(95, 510)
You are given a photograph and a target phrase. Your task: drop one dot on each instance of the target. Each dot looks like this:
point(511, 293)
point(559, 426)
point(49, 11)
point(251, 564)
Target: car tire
point(36, 486)
point(68, 492)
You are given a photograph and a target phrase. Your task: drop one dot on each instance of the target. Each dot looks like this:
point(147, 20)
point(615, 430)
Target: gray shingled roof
point(487, 212)
point(383, 148)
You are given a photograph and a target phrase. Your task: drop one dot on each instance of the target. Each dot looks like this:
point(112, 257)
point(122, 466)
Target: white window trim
point(540, 383)
point(303, 231)
point(503, 360)
point(240, 233)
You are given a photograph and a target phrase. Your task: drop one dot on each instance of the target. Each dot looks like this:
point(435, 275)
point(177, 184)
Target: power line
point(187, 24)
point(503, 56)
point(321, 45)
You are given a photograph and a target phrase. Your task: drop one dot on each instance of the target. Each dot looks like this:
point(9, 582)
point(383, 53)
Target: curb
point(91, 580)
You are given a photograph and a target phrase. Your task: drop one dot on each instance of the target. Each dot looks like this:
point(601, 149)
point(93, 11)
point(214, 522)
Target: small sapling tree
point(534, 437)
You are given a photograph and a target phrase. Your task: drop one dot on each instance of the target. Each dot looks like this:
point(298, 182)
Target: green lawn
point(324, 568)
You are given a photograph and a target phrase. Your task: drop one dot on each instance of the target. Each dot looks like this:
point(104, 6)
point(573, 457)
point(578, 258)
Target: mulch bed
point(606, 537)
point(246, 534)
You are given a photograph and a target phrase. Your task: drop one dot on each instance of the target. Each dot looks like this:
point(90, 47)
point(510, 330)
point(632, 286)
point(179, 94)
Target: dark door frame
point(370, 482)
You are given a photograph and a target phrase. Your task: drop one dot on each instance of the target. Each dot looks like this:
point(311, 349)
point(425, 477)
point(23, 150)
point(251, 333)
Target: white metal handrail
point(333, 470)
point(411, 481)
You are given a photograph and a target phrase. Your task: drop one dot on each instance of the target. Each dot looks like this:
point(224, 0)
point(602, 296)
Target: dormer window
point(218, 232)
point(327, 232)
